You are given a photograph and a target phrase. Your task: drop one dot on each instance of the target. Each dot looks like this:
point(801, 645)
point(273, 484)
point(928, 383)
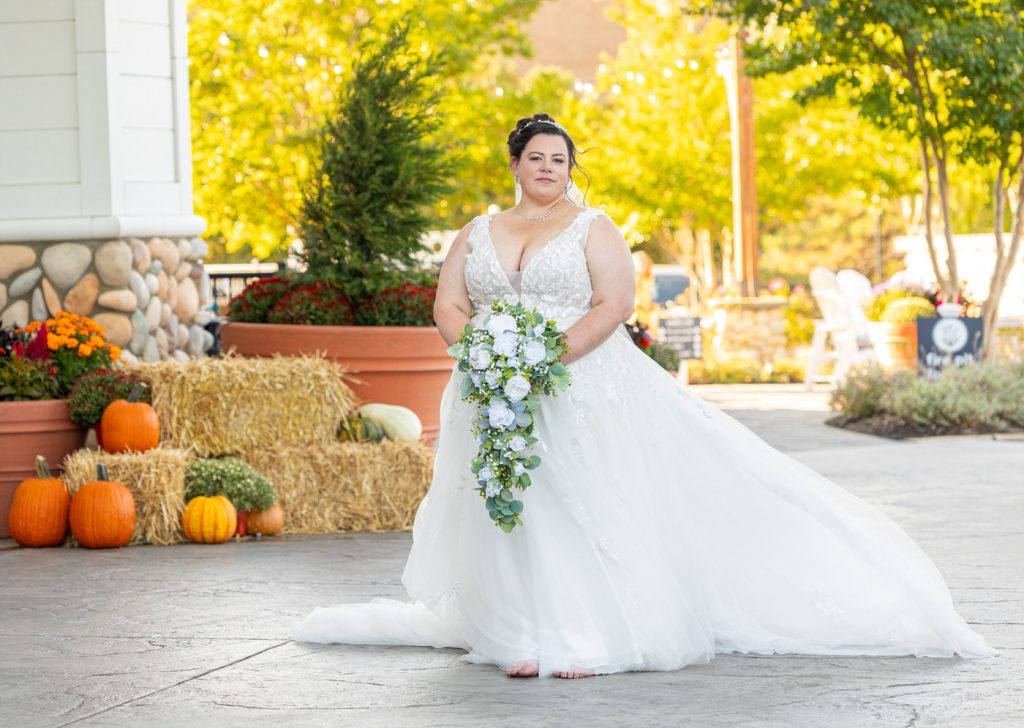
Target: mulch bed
point(896, 428)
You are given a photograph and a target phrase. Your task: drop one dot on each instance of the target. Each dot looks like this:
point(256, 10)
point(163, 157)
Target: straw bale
point(156, 479)
point(347, 486)
point(226, 405)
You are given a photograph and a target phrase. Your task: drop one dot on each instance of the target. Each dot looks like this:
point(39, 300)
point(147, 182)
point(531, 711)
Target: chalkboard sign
point(682, 333)
point(946, 342)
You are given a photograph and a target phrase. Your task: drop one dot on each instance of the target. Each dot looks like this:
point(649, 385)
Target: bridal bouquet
point(512, 359)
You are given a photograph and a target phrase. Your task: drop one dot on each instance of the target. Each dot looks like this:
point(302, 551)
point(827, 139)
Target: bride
point(658, 531)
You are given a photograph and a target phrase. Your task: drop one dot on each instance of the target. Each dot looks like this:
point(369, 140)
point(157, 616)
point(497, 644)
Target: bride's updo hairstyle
point(529, 127)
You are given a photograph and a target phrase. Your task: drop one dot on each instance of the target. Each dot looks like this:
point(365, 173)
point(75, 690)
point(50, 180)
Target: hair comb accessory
point(541, 121)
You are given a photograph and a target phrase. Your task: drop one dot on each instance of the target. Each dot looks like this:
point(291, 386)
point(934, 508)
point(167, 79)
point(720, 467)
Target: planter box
point(404, 365)
point(28, 429)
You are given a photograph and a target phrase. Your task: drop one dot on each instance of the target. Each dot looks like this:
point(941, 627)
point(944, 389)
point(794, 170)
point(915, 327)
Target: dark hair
point(530, 126)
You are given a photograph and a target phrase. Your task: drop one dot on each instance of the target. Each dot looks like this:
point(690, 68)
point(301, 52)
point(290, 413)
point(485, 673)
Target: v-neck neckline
point(539, 253)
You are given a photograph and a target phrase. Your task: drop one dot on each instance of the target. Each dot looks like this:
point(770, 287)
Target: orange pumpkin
point(269, 521)
point(39, 511)
point(102, 513)
point(128, 425)
point(209, 519)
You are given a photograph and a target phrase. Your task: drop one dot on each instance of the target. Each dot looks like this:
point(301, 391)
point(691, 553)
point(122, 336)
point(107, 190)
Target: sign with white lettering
point(683, 334)
point(946, 342)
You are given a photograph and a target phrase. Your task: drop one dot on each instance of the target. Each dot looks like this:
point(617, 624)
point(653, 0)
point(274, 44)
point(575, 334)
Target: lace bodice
point(555, 281)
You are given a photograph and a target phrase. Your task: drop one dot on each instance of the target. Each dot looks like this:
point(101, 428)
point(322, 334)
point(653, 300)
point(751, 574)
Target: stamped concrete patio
point(198, 635)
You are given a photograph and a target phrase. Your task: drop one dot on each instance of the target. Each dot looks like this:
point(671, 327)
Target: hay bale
point(347, 486)
point(222, 406)
point(156, 479)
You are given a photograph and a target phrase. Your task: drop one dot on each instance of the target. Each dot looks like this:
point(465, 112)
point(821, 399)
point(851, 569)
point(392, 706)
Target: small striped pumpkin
point(209, 519)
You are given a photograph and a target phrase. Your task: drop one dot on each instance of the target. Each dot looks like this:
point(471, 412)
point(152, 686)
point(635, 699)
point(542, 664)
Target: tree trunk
point(1005, 258)
point(926, 213)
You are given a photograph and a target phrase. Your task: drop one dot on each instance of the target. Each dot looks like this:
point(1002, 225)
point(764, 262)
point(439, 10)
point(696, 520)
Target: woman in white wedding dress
point(658, 531)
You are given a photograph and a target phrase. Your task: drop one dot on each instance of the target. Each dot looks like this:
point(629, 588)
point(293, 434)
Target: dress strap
point(476, 231)
point(583, 225)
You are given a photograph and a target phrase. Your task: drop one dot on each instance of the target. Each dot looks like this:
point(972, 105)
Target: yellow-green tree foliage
point(264, 77)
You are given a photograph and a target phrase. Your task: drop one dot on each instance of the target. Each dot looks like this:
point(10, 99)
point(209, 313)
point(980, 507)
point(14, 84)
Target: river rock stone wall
point(150, 295)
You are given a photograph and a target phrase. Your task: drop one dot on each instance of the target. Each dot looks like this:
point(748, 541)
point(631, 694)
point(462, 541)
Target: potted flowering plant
point(39, 364)
point(364, 298)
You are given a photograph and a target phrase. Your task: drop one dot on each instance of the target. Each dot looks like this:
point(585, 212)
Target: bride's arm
point(614, 284)
point(452, 307)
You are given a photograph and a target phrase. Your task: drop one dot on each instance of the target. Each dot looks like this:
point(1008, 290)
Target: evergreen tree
point(382, 167)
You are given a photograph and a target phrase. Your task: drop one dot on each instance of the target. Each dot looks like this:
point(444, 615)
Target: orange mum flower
point(84, 350)
point(115, 353)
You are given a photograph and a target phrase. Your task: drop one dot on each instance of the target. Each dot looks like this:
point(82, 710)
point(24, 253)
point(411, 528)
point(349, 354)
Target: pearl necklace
point(545, 216)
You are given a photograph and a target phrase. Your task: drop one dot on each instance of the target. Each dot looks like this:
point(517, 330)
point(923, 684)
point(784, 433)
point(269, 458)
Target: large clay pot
point(405, 365)
point(895, 345)
point(28, 429)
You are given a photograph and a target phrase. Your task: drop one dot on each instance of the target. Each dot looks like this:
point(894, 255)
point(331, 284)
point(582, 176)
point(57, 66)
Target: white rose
point(517, 444)
point(534, 352)
point(479, 357)
point(475, 376)
point(499, 415)
point(517, 387)
point(492, 378)
point(492, 489)
point(518, 469)
point(484, 473)
point(506, 343)
point(500, 322)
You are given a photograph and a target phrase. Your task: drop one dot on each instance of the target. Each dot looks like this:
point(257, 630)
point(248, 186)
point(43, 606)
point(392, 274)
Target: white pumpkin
point(399, 423)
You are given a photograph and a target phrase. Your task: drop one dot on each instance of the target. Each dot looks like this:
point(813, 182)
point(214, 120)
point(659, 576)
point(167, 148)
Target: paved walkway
point(197, 635)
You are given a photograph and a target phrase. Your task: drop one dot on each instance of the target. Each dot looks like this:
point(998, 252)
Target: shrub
point(743, 371)
point(908, 310)
point(95, 390)
point(978, 397)
point(409, 304)
point(247, 489)
point(665, 356)
point(254, 303)
point(317, 304)
point(865, 392)
point(381, 168)
point(799, 314)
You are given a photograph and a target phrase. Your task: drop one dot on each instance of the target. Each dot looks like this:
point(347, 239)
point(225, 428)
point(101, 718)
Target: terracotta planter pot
point(895, 345)
point(404, 365)
point(28, 429)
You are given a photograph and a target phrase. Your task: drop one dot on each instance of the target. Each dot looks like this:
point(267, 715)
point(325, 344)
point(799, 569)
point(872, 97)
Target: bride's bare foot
point(525, 668)
point(572, 675)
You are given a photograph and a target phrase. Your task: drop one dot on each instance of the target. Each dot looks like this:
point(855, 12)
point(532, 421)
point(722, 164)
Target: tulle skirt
point(657, 533)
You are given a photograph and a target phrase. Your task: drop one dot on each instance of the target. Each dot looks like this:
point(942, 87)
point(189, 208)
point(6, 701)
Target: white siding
point(38, 157)
point(39, 102)
point(37, 49)
point(152, 198)
point(14, 11)
point(40, 201)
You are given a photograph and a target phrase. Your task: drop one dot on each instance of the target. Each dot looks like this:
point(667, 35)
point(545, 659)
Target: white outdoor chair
point(843, 325)
point(855, 286)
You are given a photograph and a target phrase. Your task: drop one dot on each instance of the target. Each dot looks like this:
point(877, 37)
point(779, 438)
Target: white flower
point(479, 357)
point(534, 352)
point(517, 387)
point(492, 489)
point(492, 378)
point(485, 473)
point(499, 415)
point(497, 323)
point(475, 376)
point(517, 444)
point(518, 468)
point(506, 343)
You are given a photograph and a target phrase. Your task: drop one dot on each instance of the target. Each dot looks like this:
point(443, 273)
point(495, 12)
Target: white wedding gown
point(657, 533)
